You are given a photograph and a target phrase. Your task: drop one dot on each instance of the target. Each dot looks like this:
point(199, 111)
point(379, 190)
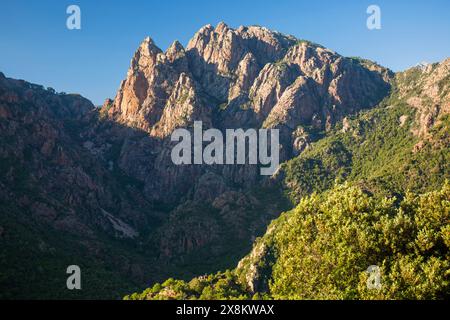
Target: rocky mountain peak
point(175, 48)
point(146, 55)
point(222, 27)
point(176, 55)
point(256, 75)
point(150, 45)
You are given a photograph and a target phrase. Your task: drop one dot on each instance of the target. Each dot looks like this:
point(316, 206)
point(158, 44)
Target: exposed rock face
point(426, 88)
point(220, 56)
point(245, 68)
point(246, 73)
point(249, 77)
point(182, 108)
point(236, 78)
point(269, 86)
point(142, 96)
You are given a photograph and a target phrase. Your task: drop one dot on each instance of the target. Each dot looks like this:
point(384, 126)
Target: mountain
point(373, 190)
point(248, 77)
point(97, 187)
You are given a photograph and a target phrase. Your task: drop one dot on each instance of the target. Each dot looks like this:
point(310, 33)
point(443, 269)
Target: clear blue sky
point(35, 44)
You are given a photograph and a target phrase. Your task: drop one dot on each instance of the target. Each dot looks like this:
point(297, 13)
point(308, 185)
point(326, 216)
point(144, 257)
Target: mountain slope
point(322, 248)
point(59, 205)
point(400, 145)
point(227, 78)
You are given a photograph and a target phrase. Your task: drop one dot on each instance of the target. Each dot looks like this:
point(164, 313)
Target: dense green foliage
point(324, 246)
point(218, 286)
point(375, 151)
point(327, 243)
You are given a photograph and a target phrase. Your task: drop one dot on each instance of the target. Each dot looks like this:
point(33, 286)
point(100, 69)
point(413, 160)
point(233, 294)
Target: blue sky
point(35, 44)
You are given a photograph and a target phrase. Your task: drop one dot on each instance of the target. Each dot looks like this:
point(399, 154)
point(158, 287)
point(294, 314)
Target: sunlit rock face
point(249, 77)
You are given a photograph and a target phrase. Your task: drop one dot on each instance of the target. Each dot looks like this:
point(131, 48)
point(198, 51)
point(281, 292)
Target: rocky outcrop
point(182, 108)
point(269, 86)
point(244, 72)
point(426, 87)
point(222, 58)
point(142, 96)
